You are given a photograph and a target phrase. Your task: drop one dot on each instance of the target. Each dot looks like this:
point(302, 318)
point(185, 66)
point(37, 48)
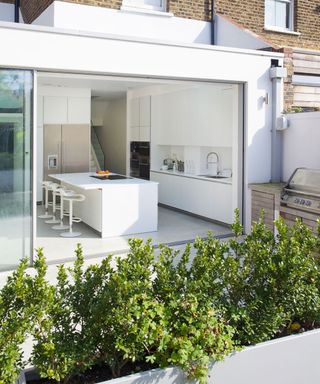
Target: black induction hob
point(111, 177)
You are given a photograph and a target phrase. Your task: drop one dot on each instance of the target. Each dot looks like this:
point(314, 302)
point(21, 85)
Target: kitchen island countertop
point(86, 181)
point(114, 207)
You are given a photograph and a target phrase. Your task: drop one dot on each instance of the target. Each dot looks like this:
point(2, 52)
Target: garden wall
point(301, 142)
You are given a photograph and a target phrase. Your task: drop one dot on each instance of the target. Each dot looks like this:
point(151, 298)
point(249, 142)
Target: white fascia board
point(306, 80)
point(96, 35)
point(45, 48)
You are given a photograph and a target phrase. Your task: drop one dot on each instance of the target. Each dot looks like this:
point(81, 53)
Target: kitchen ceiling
point(106, 88)
point(103, 88)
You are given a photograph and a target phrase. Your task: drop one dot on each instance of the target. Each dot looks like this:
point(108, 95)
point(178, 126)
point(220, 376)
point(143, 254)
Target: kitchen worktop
point(85, 181)
point(114, 207)
point(273, 188)
point(193, 176)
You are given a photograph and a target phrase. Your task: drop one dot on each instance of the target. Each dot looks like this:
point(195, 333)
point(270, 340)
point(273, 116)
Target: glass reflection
point(15, 166)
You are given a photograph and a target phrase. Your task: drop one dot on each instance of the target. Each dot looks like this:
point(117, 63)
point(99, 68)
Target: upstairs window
point(153, 5)
point(279, 14)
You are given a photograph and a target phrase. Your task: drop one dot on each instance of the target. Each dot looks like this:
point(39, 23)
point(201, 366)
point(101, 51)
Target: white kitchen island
point(114, 207)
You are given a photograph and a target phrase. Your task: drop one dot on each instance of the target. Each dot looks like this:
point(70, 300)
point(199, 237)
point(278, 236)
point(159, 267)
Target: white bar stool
point(63, 192)
point(54, 187)
point(72, 198)
point(46, 185)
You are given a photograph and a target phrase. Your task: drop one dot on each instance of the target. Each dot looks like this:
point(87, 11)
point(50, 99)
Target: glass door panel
point(16, 92)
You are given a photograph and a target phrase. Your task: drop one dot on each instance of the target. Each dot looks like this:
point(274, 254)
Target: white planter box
point(288, 360)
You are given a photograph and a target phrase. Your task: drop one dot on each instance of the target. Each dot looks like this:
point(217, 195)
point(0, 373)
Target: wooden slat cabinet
point(265, 196)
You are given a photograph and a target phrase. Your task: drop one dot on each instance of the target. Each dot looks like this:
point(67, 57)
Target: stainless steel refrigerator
point(66, 148)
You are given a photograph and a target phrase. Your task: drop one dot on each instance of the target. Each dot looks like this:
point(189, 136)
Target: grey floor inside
point(173, 228)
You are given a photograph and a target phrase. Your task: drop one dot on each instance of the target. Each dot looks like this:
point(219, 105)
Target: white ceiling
point(103, 88)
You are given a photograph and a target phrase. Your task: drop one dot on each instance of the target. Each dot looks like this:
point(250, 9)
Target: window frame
point(135, 6)
point(290, 16)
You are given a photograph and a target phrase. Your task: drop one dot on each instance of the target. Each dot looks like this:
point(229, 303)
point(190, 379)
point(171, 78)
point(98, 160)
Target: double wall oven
point(140, 159)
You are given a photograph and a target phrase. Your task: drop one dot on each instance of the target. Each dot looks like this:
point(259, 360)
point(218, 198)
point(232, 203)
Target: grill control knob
point(285, 197)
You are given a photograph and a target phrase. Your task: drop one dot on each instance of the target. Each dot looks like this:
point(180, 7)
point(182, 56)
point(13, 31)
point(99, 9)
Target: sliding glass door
point(16, 105)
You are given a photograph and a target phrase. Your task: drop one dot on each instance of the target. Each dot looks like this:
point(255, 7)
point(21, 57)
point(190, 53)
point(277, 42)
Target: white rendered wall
point(6, 12)
point(63, 51)
point(113, 135)
point(162, 26)
point(301, 142)
point(229, 34)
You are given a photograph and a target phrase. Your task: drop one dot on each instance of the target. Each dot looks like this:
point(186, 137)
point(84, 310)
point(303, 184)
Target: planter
point(289, 360)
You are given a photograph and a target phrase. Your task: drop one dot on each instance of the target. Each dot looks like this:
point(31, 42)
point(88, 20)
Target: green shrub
point(176, 309)
point(195, 330)
point(268, 280)
point(117, 315)
point(60, 348)
point(22, 302)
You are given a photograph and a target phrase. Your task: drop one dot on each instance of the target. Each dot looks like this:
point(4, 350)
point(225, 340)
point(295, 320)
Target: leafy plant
point(22, 302)
point(196, 330)
point(177, 309)
point(268, 280)
point(62, 335)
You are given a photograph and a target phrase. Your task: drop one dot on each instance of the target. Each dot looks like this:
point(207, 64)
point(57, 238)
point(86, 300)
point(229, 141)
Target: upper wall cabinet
point(55, 110)
point(66, 110)
point(199, 116)
point(140, 118)
point(79, 110)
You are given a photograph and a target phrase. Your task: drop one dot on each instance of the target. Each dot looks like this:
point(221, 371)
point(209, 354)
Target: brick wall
point(287, 83)
point(250, 14)
point(190, 9)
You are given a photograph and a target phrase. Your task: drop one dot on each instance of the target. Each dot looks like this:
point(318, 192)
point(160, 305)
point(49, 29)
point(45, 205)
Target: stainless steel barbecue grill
point(301, 196)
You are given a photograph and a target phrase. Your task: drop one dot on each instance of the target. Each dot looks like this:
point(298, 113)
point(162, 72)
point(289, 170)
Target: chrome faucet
point(213, 162)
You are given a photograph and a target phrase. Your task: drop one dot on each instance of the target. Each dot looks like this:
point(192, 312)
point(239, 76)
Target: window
point(152, 5)
point(16, 105)
point(279, 14)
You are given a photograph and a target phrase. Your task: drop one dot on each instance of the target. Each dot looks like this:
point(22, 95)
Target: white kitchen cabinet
point(135, 133)
point(144, 111)
point(55, 110)
point(79, 110)
point(144, 133)
point(199, 116)
point(66, 110)
point(140, 118)
point(135, 112)
point(202, 197)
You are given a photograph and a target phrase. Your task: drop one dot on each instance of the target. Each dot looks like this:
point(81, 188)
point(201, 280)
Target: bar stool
point(46, 185)
point(63, 192)
point(72, 198)
point(54, 187)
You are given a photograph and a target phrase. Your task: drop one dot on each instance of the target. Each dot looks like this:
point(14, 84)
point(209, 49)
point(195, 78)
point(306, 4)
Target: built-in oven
point(140, 159)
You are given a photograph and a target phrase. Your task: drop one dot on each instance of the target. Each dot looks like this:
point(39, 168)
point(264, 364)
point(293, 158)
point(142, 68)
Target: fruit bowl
point(103, 173)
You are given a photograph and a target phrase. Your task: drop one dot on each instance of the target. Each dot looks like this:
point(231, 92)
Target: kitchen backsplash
point(194, 157)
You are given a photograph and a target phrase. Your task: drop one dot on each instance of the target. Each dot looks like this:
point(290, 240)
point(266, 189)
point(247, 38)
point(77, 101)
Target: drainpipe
point(276, 75)
point(16, 11)
point(212, 24)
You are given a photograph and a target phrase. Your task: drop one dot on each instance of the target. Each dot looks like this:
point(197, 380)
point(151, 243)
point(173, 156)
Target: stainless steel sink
point(215, 176)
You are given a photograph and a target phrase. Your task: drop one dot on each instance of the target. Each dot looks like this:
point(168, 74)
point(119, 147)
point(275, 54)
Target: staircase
point(97, 155)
